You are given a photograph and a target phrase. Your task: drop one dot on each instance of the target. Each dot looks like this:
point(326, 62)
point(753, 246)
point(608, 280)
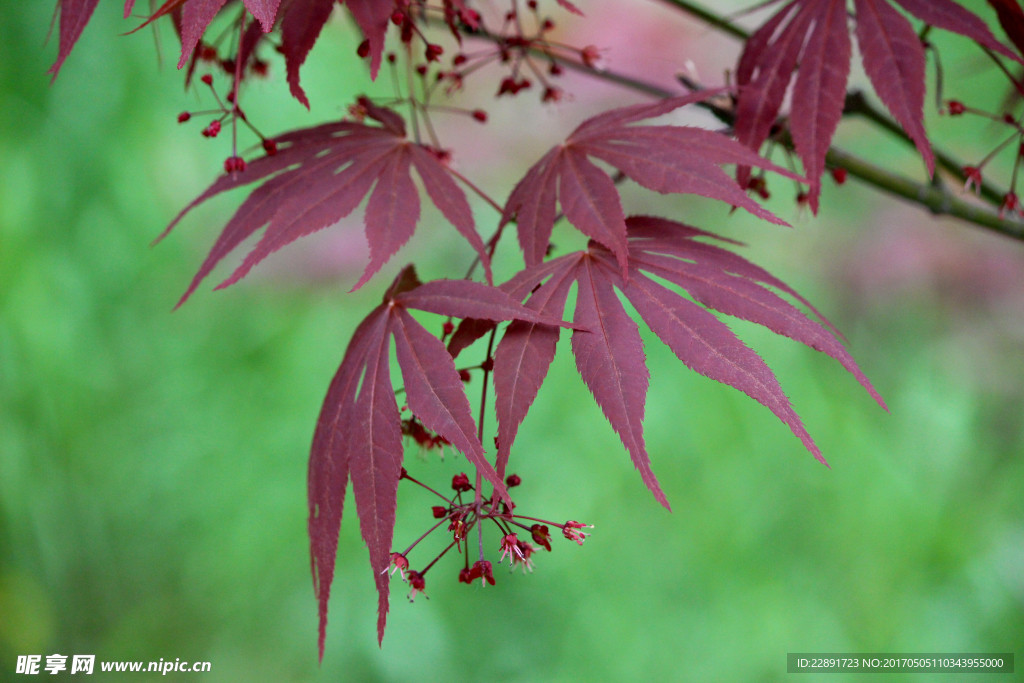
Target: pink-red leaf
point(451, 201)
point(372, 17)
point(74, 15)
point(523, 357)
point(532, 204)
point(376, 466)
point(895, 62)
point(466, 299)
point(610, 359)
point(950, 16)
point(330, 458)
point(265, 12)
point(591, 202)
point(821, 91)
point(435, 393)
point(392, 212)
point(704, 344)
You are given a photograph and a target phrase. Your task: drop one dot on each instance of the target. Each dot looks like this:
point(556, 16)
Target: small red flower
point(465, 575)
point(571, 530)
point(364, 49)
point(233, 164)
point(400, 564)
point(956, 108)
point(464, 375)
point(439, 511)
point(973, 175)
point(513, 480)
point(480, 115)
point(481, 570)
point(207, 79)
point(184, 116)
point(270, 147)
point(524, 556)
point(460, 483)
point(433, 52)
point(541, 536)
point(417, 583)
point(447, 328)
point(510, 546)
point(591, 56)
point(1011, 204)
point(839, 175)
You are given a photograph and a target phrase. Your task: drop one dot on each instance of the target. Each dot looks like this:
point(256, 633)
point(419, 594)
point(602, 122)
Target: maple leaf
point(610, 356)
point(301, 23)
point(358, 433)
point(320, 175)
point(666, 159)
point(814, 35)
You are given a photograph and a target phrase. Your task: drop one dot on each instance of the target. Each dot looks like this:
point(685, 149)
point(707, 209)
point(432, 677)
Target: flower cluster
point(466, 516)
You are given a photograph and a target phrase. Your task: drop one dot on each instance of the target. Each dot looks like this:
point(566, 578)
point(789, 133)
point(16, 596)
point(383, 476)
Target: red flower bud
point(212, 130)
point(433, 52)
point(270, 147)
point(513, 480)
point(439, 511)
point(460, 483)
point(956, 108)
point(465, 376)
point(364, 49)
point(447, 328)
point(480, 115)
point(839, 175)
point(207, 79)
point(184, 116)
point(541, 536)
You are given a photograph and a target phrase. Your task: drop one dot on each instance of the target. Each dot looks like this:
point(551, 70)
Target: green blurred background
point(152, 465)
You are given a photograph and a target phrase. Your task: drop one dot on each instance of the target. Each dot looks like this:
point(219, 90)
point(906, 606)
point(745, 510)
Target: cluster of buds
point(464, 517)
point(973, 174)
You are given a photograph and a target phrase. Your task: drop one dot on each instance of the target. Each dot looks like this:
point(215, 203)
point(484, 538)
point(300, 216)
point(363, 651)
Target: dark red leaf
point(591, 202)
point(435, 392)
point(375, 440)
point(301, 23)
point(319, 176)
point(451, 200)
point(392, 212)
point(706, 345)
point(895, 62)
point(330, 459)
point(610, 357)
point(663, 158)
point(196, 15)
point(1011, 18)
point(465, 299)
point(468, 331)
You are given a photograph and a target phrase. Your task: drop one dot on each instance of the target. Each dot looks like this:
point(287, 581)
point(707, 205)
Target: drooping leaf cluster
point(674, 276)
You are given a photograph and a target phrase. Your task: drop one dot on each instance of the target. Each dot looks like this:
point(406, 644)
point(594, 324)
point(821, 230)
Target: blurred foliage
point(152, 465)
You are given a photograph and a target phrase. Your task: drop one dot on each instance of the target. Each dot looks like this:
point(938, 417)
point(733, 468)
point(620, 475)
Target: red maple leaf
point(666, 159)
point(358, 434)
point(320, 175)
point(814, 35)
point(610, 355)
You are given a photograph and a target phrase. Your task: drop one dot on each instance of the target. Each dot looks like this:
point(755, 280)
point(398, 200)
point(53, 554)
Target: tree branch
point(933, 197)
